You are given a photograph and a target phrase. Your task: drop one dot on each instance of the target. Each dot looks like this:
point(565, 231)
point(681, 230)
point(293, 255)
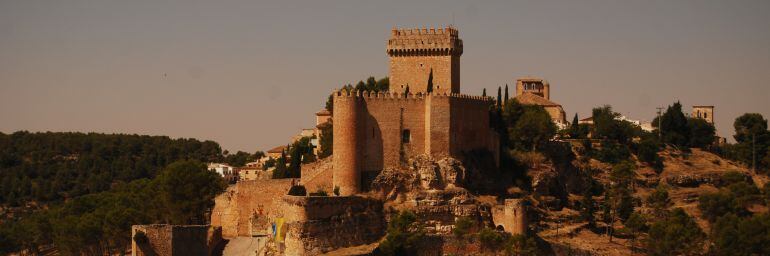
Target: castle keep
point(378, 130)
point(418, 56)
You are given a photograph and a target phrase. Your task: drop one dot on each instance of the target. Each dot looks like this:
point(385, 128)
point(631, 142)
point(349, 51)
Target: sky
point(251, 74)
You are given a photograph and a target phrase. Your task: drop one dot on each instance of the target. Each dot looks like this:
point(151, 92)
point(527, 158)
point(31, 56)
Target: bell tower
point(424, 58)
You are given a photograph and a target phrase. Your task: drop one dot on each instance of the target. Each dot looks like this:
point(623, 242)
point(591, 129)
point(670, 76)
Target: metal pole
point(754, 152)
point(660, 129)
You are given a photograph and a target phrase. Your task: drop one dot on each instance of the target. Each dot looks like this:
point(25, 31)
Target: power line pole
point(754, 152)
point(660, 111)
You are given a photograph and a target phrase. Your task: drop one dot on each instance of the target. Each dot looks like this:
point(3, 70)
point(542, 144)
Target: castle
point(422, 113)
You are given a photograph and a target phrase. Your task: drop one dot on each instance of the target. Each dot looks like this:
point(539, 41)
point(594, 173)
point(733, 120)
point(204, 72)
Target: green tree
point(659, 201)
point(491, 240)
point(588, 207)
point(187, 190)
point(521, 245)
point(499, 98)
point(677, 234)
point(484, 92)
point(326, 142)
point(702, 133)
point(281, 171)
point(533, 128)
point(732, 235)
point(462, 228)
point(403, 235)
point(674, 126)
point(505, 101)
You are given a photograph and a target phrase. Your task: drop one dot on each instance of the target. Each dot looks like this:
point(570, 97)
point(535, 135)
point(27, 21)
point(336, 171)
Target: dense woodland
point(82, 192)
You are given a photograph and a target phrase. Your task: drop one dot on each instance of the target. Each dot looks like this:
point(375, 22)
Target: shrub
point(677, 234)
point(319, 192)
point(732, 235)
point(521, 245)
point(612, 152)
point(490, 239)
point(403, 235)
point(463, 226)
point(297, 190)
point(530, 159)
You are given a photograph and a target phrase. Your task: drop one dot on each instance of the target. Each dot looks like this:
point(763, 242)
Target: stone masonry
point(416, 53)
point(378, 130)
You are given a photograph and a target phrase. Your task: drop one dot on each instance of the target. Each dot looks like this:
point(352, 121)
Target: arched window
point(706, 115)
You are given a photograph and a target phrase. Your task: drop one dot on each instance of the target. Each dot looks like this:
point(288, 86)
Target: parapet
point(425, 41)
point(371, 95)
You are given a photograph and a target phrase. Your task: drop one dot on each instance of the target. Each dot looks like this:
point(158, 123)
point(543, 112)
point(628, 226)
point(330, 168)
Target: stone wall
point(234, 208)
point(369, 131)
point(415, 53)
point(168, 240)
point(317, 225)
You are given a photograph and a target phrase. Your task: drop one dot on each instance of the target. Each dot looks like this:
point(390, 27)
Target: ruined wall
point(234, 208)
point(168, 240)
point(556, 113)
point(414, 53)
point(515, 216)
point(317, 225)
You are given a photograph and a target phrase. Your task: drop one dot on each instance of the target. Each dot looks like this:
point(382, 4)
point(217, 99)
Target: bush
point(491, 240)
point(463, 226)
point(403, 235)
point(319, 192)
point(297, 190)
point(732, 235)
point(677, 234)
point(521, 245)
point(612, 152)
point(531, 159)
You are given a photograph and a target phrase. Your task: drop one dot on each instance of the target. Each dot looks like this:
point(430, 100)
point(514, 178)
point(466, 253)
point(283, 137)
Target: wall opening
point(406, 136)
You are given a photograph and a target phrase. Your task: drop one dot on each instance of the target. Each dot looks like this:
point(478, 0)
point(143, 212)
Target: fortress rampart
point(316, 225)
point(374, 131)
point(169, 240)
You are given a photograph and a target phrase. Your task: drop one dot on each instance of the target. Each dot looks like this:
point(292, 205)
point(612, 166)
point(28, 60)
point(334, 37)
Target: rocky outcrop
point(714, 178)
point(316, 225)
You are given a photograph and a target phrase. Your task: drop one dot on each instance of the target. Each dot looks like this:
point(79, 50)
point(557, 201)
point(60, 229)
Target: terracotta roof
point(532, 99)
point(590, 118)
point(323, 112)
point(277, 149)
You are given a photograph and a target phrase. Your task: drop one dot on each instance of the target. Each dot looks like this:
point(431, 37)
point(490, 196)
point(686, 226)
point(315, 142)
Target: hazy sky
point(250, 74)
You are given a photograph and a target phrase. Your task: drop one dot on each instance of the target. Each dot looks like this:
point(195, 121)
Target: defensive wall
point(173, 240)
point(416, 53)
point(378, 130)
point(316, 225)
point(234, 210)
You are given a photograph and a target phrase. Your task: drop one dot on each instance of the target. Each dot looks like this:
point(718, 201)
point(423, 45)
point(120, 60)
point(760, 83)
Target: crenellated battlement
point(425, 41)
point(370, 95)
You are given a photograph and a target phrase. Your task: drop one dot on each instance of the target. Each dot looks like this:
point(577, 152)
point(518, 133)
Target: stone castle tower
point(704, 112)
point(422, 56)
point(515, 214)
point(378, 130)
point(537, 86)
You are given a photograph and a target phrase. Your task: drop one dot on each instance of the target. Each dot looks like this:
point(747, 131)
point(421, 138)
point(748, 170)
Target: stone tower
point(515, 214)
point(537, 86)
point(704, 112)
point(419, 55)
point(347, 162)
